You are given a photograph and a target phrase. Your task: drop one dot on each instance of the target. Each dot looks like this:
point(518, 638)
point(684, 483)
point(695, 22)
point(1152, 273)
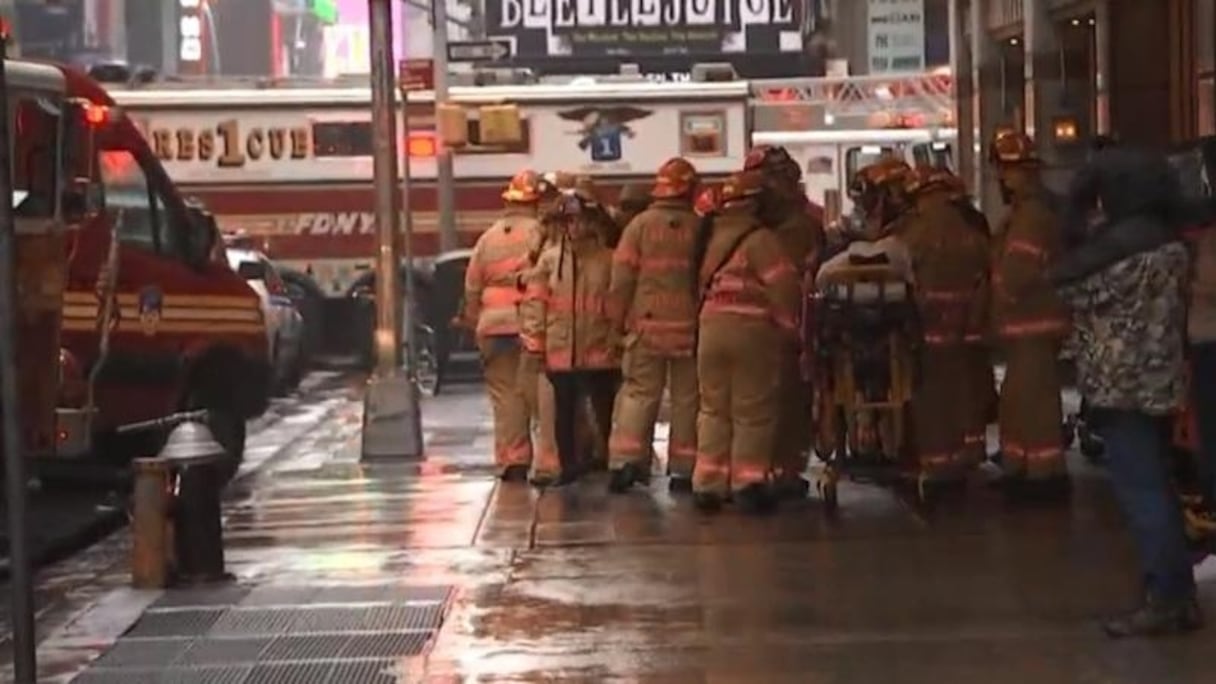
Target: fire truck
point(153, 323)
point(290, 163)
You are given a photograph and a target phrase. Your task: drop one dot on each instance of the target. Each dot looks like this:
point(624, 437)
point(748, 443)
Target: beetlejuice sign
point(646, 27)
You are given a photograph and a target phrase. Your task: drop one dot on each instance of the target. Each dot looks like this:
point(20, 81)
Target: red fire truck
point(151, 320)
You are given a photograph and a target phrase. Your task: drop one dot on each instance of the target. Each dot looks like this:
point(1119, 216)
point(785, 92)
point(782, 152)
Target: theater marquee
point(646, 27)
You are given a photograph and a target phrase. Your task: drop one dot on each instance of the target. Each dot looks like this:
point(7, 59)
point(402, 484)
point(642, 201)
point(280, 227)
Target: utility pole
point(391, 412)
point(25, 664)
point(443, 162)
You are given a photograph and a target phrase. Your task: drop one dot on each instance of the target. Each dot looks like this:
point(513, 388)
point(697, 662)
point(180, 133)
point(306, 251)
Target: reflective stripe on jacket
point(565, 311)
point(652, 278)
point(950, 263)
point(491, 291)
point(1024, 302)
point(757, 281)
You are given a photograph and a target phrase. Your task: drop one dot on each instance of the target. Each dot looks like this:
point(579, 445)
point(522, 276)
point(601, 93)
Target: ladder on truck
point(915, 100)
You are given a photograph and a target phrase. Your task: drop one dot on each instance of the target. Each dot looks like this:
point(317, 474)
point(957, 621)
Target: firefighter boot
point(756, 499)
point(625, 477)
point(679, 484)
point(792, 487)
point(515, 473)
point(707, 502)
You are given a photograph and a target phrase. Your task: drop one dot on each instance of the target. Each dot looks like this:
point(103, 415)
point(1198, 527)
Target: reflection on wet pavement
point(574, 585)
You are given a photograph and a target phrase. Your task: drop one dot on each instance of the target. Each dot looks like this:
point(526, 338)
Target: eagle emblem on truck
point(601, 129)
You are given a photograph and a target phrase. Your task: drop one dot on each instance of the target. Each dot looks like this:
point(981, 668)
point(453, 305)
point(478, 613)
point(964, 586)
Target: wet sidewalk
point(430, 571)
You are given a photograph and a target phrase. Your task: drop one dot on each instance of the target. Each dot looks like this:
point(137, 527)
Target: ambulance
point(289, 164)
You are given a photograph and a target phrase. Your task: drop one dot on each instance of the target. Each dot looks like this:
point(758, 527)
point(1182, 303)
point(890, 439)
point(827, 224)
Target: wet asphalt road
point(574, 585)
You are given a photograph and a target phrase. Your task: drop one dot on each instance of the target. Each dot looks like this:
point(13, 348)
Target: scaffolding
point(917, 100)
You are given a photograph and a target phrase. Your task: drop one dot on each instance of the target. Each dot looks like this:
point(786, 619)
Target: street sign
point(416, 74)
point(479, 51)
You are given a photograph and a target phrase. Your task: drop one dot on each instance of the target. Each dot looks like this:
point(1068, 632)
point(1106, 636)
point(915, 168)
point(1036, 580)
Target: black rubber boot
point(707, 502)
point(796, 487)
point(679, 484)
point(623, 478)
point(1156, 619)
point(542, 481)
point(515, 473)
point(756, 499)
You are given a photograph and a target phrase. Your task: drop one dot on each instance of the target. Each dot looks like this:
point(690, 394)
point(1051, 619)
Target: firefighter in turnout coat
point(653, 284)
point(950, 268)
point(565, 324)
point(748, 318)
point(785, 207)
point(491, 308)
point(1031, 322)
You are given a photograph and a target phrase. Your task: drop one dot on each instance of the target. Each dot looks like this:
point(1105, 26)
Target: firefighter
point(538, 393)
point(950, 267)
point(565, 324)
point(880, 205)
point(748, 318)
point(1030, 321)
point(786, 208)
point(634, 199)
point(596, 213)
point(981, 397)
point(652, 286)
point(490, 308)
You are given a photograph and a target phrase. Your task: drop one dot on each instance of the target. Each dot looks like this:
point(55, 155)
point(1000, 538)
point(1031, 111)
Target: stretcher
point(862, 330)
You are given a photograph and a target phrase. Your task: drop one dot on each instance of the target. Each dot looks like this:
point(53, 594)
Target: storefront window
point(1205, 66)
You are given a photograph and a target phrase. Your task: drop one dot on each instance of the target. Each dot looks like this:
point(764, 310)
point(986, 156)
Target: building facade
point(1065, 70)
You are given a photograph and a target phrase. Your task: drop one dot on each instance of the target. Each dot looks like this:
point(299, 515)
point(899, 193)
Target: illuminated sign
point(190, 30)
point(228, 145)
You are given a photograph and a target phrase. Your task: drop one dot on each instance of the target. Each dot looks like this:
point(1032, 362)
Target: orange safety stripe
point(954, 296)
point(624, 443)
point(1033, 453)
point(500, 296)
point(1041, 326)
point(674, 451)
point(711, 464)
point(775, 272)
point(941, 339)
point(750, 310)
point(627, 254)
point(786, 322)
point(533, 343)
point(1024, 247)
point(746, 475)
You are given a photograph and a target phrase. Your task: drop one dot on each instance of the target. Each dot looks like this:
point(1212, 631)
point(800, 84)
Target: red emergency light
point(422, 144)
point(96, 115)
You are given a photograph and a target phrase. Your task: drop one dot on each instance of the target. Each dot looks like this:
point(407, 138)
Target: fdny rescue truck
point(153, 323)
point(290, 164)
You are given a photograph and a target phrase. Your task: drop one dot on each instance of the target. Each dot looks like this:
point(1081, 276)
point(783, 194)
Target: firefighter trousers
point(794, 428)
point(738, 372)
point(1030, 410)
point(571, 392)
point(940, 413)
point(981, 402)
point(646, 374)
point(500, 358)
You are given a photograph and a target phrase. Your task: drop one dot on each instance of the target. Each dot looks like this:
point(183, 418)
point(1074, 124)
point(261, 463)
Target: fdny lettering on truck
point(228, 144)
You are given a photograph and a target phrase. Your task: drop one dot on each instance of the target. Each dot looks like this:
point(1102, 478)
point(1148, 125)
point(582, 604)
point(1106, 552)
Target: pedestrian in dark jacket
point(1125, 285)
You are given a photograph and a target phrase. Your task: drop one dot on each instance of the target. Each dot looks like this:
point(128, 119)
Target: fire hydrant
point(178, 534)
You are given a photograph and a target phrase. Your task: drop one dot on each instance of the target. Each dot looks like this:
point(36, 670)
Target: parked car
point(284, 324)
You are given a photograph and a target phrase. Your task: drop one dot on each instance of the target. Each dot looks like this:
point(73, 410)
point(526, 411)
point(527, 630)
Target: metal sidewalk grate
point(347, 634)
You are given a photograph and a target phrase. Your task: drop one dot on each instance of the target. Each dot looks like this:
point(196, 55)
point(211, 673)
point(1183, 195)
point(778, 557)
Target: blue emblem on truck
point(602, 129)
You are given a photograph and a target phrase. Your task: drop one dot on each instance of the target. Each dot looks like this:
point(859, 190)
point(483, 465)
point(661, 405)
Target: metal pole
point(411, 300)
point(384, 165)
point(390, 405)
point(25, 664)
point(443, 162)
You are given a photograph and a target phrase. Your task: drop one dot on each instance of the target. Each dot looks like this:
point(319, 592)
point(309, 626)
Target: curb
point(101, 525)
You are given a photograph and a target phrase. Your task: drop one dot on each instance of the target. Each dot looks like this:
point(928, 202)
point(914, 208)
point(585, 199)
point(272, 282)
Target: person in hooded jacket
point(785, 207)
point(1031, 323)
point(749, 308)
point(652, 284)
point(1124, 283)
point(566, 324)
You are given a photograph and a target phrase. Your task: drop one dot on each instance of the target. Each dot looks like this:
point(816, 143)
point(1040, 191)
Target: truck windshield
point(37, 157)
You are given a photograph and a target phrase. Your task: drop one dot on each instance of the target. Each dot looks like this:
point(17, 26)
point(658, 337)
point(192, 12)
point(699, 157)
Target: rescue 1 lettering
point(227, 144)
